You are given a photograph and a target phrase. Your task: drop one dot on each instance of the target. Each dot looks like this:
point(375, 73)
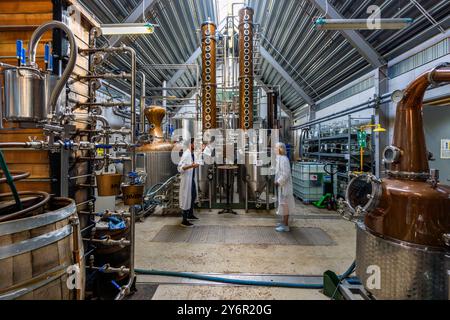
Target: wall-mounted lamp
point(128, 28)
point(362, 24)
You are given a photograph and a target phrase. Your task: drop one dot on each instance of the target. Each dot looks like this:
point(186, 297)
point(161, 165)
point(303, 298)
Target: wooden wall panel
point(23, 17)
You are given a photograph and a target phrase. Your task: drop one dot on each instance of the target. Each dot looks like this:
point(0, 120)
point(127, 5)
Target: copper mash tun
point(403, 220)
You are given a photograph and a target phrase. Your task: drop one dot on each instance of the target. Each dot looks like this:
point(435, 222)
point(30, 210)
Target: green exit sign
point(362, 139)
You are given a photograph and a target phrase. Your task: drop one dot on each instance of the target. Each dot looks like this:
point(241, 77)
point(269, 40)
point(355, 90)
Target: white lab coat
point(283, 176)
point(186, 180)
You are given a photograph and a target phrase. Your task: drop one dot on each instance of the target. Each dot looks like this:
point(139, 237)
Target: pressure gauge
point(397, 96)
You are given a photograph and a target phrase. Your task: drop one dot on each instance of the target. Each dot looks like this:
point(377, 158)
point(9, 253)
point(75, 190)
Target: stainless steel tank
point(252, 173)
point(50, 84)
point(158, 165)
point(206, 181)
point(25, 94)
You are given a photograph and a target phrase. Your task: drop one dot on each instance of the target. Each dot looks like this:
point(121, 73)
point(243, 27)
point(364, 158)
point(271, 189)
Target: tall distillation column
point(209, 82)
point(246, 68)
point(209, 102)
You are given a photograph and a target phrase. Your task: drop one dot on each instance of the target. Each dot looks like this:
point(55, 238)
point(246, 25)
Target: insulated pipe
point(34, 41)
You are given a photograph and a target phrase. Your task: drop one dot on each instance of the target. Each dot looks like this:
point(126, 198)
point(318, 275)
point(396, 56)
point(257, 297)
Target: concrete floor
point(243, 259)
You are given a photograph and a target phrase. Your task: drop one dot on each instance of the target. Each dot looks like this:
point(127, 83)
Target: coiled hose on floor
point(188, 275)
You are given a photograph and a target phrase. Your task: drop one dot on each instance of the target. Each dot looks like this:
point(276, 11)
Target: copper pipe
point(209, 82)
point(408, 131)
point(246, 68)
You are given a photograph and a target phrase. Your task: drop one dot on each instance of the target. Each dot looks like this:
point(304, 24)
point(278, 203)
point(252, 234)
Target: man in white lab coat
point(188, 185)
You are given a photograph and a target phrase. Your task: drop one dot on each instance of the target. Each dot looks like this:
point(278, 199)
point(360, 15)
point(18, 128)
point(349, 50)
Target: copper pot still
point(209, 73)
point(155, 116)
point(133, 194)
point(246, 30)
point(108, 184)
point(412, 206)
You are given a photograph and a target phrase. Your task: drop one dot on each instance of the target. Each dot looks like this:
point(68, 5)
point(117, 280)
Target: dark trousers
point(189, 213)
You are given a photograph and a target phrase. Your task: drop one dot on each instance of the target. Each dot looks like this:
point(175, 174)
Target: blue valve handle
point(116, 285)
point(24, 56)
point(19, 47)
point(47, 53)
point(50, 63)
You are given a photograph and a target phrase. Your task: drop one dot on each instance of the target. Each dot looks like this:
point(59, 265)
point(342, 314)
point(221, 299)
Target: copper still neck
point(409, 136)
point(155, 116)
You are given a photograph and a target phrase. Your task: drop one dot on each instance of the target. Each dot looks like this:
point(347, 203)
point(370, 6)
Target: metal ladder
point(257, 59)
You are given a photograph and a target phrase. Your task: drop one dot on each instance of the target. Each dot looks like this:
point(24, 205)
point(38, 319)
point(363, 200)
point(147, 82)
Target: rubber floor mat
point(244, 235)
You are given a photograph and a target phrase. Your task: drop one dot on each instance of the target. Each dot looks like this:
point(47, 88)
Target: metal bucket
point(133, 194)
point(25, 95)
point(108, 184)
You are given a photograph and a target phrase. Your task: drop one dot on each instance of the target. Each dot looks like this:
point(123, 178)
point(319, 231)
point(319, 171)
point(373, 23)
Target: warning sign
point(445, 149)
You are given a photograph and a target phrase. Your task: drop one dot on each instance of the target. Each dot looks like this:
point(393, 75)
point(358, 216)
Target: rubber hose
point(188, 275)
point(10, 181)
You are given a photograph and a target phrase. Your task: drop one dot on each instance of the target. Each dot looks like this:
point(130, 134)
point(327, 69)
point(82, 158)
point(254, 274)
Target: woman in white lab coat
point(188, 185)
point(283, 180)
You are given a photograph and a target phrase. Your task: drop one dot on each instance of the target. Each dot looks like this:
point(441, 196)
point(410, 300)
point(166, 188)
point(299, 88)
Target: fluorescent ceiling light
point(127, 28)
point(362, 24)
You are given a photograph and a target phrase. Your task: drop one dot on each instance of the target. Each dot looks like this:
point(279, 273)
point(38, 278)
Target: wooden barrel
point(39, 255)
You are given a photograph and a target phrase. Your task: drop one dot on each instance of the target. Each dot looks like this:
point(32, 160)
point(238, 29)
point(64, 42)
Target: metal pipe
point(102, 104)
point(142, 108)
point(36, 37)
point(359, 107)
point(122, 75)
point(109, 242)
point(13, 145)
point(82, 176)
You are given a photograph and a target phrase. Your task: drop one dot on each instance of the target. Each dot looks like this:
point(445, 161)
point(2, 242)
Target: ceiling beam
point(135, 16)
point(191, 60)
point(356, 39)
point(268, 57)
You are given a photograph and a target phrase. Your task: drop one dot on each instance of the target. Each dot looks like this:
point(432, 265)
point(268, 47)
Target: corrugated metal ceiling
point(319, 61)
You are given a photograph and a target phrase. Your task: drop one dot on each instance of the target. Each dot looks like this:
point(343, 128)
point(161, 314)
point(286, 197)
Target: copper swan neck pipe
point(409, 136)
